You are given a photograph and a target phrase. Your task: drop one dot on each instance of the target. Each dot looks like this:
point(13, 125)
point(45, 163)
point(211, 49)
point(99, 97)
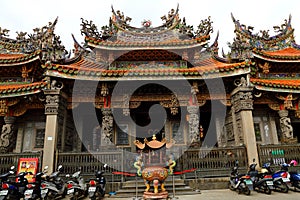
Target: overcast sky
point(20, 15)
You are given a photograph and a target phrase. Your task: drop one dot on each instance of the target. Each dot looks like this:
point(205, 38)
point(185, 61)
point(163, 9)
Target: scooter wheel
point(284, 187)
point(230, 186)
point(247, 191)
point(267, 190)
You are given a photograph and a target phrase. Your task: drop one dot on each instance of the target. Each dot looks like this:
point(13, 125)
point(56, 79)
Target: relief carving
point(7, 136)
point(107, 126)
point(286, 127)
point(193, 121)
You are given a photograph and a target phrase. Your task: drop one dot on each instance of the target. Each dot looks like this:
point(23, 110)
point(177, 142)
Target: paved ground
point(226, 194)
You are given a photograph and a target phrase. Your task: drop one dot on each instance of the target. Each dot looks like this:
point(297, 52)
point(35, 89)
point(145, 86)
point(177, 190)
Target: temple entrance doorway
point(147, 130)
point(296, 130)
point(208, 122)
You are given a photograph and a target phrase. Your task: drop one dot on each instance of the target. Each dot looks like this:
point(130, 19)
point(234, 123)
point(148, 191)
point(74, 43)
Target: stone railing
point(214, 162)
point(277, 154)
point(12, 159)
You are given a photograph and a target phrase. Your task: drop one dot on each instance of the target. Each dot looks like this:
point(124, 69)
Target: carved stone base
point(151, 195)
point(289, 140)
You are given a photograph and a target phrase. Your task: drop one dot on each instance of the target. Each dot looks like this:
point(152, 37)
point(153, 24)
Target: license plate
point(3, 192)
point(248, 182)
point(285, 180)
point(44, 191)
point(269, 182)
point(28, 192)
point(70, 191)
point(92, 189)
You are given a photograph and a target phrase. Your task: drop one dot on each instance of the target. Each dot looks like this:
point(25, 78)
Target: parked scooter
point(33, 190)
point(15, 190)
point(280, 178)
point(96, 186)
point(294, 176)
point(261, 182)
point(76, 187)
point(54, 187)
point(5, 183)
point(240, 183)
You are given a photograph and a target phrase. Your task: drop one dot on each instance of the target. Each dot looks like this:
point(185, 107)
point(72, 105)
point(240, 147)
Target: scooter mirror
point(12, 167)
point(105, 165)
point(46, 167)
point(59, 167)
point(253, 159)
point(67, 175)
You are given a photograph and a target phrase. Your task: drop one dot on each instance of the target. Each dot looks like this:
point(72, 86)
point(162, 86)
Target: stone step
point(128, 188)
point(140, 183)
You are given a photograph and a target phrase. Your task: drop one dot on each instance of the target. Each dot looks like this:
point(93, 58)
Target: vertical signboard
point(28, 165)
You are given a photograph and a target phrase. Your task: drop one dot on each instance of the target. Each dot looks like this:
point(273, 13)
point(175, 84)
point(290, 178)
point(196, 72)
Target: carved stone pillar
point(286, 127)
point(107, 127)
point(51, 131)
point(193, 121)
point(242, 106)
point(7, 137)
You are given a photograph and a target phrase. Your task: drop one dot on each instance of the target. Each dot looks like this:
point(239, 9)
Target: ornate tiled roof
point(277, 85)
point(10, 59)
point(209, 68)
point(289, 54)
point(246, 41)
point(11, 89)
point(173, 33)
point(169, 44)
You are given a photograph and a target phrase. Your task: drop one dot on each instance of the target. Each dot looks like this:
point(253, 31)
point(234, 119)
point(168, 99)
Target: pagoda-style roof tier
point(277, 85)
point(263, 39)
point(246, 41)
point(43, 42)
point(289, 54)
point(88, 70)
point(11, 89)
point(12, 59)
point(167, 43)
point(173, 33)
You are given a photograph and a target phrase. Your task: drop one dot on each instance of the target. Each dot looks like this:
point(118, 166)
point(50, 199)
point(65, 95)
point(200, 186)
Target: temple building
point(129, 85)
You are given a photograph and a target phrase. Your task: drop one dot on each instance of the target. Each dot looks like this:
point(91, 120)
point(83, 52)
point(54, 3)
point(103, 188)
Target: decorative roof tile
point(286, 54)
point(18, 89)
point(17, 59)
point(87, 69)
point(279, 85)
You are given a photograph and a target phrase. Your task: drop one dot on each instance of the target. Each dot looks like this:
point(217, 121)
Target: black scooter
point(5, 183)
point(96, 186)
point(261, 182)
point(33, 190)
point(15, 190)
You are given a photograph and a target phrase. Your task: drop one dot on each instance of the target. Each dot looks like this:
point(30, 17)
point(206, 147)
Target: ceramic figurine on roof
point(246, 41)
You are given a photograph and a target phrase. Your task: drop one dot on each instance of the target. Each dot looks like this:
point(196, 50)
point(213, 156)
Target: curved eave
point(15, 90)
point(271, 89)
point(147, 45)
point(20, 60)
point(277, 58)
point(284, 85)
point(203, 72)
